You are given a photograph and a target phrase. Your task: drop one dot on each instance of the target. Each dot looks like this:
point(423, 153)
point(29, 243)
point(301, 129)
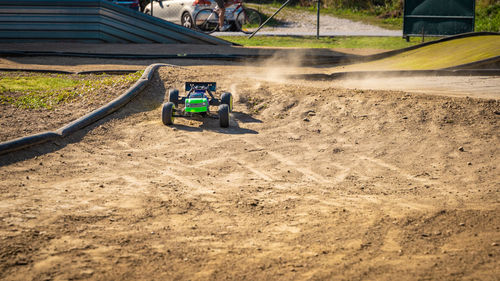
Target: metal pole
point(151, 2)
point(317, 24)
point(282, 6)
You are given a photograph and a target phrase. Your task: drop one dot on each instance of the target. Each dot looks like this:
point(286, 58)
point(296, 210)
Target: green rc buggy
point(200, 96)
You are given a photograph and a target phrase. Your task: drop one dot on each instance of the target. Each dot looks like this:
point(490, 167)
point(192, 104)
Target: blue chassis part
point(214, 101)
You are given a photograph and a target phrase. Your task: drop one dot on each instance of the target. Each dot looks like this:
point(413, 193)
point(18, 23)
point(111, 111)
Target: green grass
point(48, 91)
point(384, 43)
point(35, 83)
point(488, 18)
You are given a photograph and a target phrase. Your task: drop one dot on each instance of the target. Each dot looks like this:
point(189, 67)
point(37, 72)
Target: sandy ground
point(310, 182)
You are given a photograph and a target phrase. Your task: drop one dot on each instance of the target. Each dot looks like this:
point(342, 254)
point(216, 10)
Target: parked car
point(132, 4)
point(182, 11)
point(177, 11)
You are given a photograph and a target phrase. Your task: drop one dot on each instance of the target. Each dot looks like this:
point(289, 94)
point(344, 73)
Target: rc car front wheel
point(227, 98)
point(167, 113)
point(173, 96)
point(224, 115)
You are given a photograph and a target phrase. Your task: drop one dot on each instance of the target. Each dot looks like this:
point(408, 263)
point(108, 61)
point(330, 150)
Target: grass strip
point(37, 91)
point(383, 43)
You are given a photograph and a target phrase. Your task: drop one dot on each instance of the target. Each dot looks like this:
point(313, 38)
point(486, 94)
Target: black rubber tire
point(173, 96)
point(248, 20)
point(187, 20)
point(206, 20)
point(167, 113)
point(227, 98)
point(224, 115)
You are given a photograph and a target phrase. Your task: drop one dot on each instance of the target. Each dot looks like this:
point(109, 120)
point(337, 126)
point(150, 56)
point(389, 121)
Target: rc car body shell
point(196, 105)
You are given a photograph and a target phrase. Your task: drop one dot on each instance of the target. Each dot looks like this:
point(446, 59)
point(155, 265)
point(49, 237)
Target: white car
point(183, 11)
point(178, 11)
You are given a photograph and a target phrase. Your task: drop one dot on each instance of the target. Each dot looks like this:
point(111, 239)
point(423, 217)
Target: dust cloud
point(277, 68)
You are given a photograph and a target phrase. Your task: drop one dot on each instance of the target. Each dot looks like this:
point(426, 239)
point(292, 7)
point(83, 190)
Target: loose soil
point(310, 181)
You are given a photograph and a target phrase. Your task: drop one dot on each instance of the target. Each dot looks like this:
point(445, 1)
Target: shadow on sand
point(212, 124)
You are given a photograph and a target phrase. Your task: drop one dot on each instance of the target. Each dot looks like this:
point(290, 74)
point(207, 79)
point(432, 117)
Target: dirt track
point(310, 182)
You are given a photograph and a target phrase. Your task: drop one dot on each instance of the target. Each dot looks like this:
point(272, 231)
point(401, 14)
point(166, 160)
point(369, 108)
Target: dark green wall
point(438, 17)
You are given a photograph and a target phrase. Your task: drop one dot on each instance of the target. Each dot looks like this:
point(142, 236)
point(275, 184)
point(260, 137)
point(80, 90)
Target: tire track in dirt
point(249, 166)
point(312, 176)
point(397, 170)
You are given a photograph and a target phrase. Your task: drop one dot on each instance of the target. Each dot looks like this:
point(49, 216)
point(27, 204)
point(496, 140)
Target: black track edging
point(399, 73)
point(23, 142)
point(323, 59)
point(110, 71)
point(124, 55)
point(80, 123)
point(36, 70)
point(476, 64)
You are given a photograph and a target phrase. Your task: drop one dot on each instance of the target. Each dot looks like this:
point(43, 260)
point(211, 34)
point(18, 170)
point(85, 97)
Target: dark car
point(132, 4)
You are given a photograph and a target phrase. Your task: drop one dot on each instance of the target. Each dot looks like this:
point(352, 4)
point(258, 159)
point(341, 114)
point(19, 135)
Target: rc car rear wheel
point(227, 98)
point(173, 96)
point(224, 115)
point(167, 113)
